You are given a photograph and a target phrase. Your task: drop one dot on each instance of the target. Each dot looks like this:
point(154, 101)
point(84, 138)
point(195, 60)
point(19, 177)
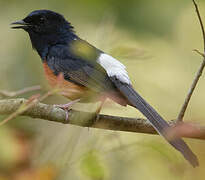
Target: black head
point(46, 28)
point(43, 22)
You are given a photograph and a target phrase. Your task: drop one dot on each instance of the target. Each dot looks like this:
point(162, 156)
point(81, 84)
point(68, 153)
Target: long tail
point(156, 120)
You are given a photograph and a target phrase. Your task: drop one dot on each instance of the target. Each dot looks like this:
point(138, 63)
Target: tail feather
point(156, 120)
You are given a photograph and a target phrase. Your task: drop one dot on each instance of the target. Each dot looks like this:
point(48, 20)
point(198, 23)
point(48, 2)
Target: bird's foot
point(67, 107)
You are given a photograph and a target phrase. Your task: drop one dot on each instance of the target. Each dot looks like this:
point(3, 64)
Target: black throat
point(42, 42)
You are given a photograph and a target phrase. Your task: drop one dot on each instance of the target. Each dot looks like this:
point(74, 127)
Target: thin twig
point(200, 53)
point(19, 92)
point(200, 21)
point(199, 72)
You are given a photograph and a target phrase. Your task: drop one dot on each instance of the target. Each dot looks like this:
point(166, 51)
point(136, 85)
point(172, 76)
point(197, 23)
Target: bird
point(89, 74)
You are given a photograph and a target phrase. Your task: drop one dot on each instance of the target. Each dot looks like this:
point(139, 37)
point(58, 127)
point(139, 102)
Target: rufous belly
point(67, 89)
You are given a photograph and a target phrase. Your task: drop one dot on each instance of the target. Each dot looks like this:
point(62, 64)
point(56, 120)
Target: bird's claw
point(67, 107)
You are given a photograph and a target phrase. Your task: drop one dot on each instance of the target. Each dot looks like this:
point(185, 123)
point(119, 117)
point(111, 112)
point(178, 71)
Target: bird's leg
point(66, 107)
point(100, 107)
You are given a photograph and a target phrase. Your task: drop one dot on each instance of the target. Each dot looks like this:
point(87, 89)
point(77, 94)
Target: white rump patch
point(114, 68)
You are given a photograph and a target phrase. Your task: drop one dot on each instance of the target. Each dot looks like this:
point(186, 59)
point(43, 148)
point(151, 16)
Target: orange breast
point(68, 89)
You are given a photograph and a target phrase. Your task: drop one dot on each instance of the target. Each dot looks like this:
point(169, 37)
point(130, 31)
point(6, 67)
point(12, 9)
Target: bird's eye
point(41, 20)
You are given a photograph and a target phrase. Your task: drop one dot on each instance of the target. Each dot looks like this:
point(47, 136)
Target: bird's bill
point(22, 24)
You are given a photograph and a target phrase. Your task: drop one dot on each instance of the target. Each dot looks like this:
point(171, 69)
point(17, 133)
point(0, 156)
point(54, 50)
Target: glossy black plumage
point(82, 64)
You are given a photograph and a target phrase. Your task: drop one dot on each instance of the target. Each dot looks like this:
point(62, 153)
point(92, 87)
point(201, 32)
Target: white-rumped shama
point(87, 71)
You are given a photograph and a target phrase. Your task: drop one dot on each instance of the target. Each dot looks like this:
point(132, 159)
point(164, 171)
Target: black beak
point(22, 24)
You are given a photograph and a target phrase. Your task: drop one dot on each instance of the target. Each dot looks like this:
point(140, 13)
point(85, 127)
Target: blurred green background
point(154, 39)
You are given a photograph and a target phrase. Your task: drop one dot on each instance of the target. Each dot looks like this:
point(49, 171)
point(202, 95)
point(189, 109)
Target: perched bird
point(89, 74)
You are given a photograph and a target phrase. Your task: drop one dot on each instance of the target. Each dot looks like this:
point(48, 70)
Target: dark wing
point(84, 72)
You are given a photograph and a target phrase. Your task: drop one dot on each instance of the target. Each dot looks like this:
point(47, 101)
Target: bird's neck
point(42, 43)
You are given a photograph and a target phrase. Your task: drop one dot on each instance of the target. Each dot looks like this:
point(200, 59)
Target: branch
point(200, 21)
point(199, 72)
point(83, 119)
point(19, 92)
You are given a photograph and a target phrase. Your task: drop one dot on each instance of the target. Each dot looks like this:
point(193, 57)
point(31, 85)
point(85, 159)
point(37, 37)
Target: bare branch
point(200, 21)
point(199, 72)
point(19, 92)
point(185, 129)
point(200, 53)
point(83, 119)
